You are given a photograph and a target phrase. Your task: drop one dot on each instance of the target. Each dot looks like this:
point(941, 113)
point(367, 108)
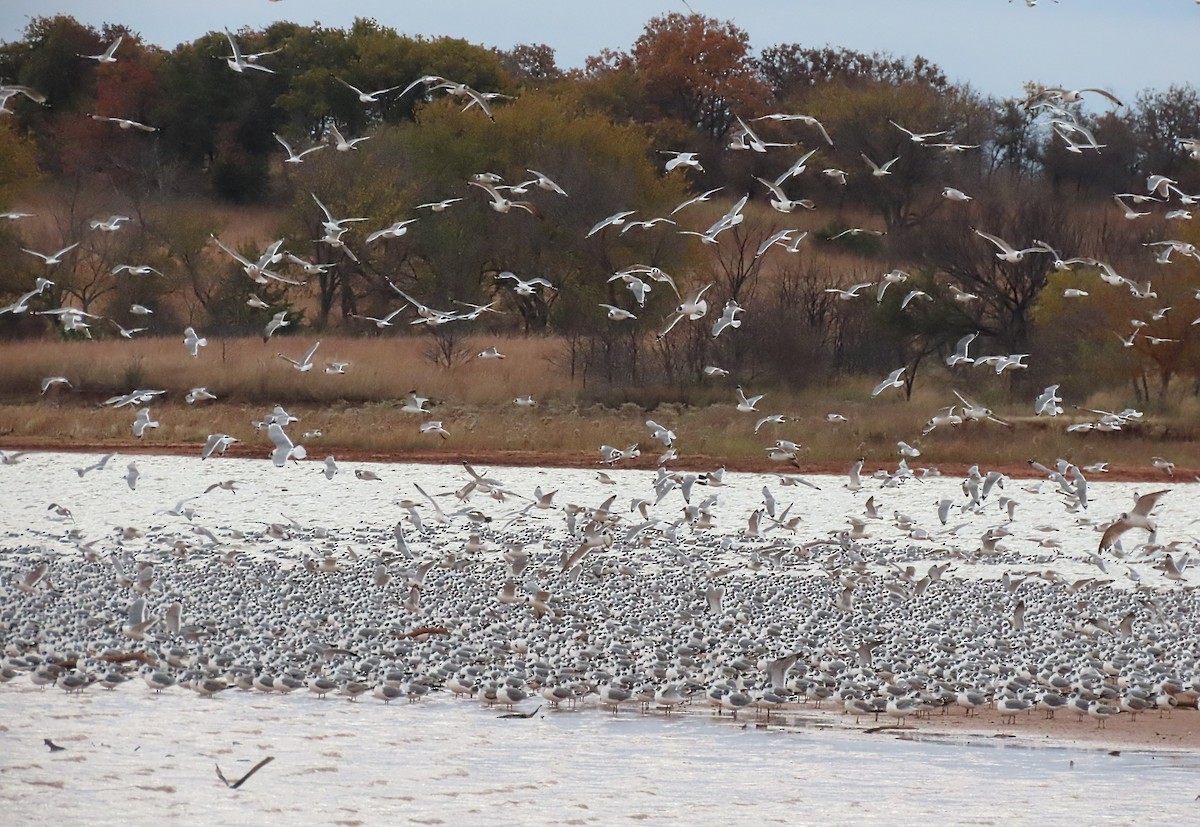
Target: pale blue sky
point(995, 45)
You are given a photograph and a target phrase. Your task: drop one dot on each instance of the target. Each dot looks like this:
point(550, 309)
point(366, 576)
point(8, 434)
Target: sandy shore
point(543, 459)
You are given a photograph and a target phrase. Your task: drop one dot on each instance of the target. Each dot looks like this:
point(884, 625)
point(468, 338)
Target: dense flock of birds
point(653, 605)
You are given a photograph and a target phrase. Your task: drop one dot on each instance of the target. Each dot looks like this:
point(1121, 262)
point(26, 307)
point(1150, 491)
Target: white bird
point(613, 220)
point(54, 380)
point(804, 119)
point(524, 287)
point(366, 97)
point(331, 468)
point(879, 170)
point(277, 321)
point(341, 144)
point(107, 56)
point(293, 156)
point(284, 448)
point(952, 194)
point(1137, 517)
point(850, 293)
point(125, 123)
point(395, 231)
point(1006, 251)
point(617, 314)
point(491, 353)
point(143, 421)
point(414, 403)
point(697, 199)
point(960, 351)
point(193, 341)
point(543, 181)
point(500, 203)
point(239, 63)
point(53, 259)
point(917, 137)
point(305, 363)
point(746, 403)
point(132, 475)
point(682, 159)
point(728, 318)
point(438, 206)
point(434, 426)
point(894, 380)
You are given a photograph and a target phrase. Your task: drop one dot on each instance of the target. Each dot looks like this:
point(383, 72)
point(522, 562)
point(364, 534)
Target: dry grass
point(360, 411)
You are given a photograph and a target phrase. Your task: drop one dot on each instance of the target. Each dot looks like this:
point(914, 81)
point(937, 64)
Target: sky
point(993, 45)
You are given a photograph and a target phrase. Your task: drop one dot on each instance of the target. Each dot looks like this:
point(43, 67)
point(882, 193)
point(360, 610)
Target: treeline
point(604, 135)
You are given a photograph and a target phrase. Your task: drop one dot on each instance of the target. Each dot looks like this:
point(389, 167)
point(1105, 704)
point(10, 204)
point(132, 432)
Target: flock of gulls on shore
point(519, 599)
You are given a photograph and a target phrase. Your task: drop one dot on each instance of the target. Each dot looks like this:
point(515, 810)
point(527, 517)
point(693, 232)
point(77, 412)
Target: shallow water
point(135, 757)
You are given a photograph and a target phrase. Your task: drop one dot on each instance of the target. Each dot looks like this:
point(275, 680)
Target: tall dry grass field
point(360, 410)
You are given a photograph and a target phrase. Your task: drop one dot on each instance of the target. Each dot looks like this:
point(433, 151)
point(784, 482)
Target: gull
point(893, 277)
point(949, 148)
point(143, 421)
point(960, 351)
point(140, 310)
point(237, 62)
point(1076, 95)
point(691, 307)
point(366, 97)
point(952, 194)
point(53, 259)
point(645, 225)
point(613, 220)
point(131, 476)
point(877, 170)
point(946, 416)
point(1163, 465)
point(54, 380)
point(107, 55)
point(543, 181)
point(782, 238)
point(960, 295)
point(124, 123)
point(277, 321)
point(491, 353)
point(293, 156)
point(914, 294)
point(434, 426)
point(697, 199)
point(777, 419)
point(1047, 402)
point(395, 231)
point(1074, 293)
point(780, 202)
point(838, 175)
point(258, 270)
point(850, 293)
point(12, 458)
point(305, 363)
point(976, 412)
point(193, 341)
point(383, 322)
point(216, 443)
point(223, 485)
point(617, 314)
point(804, 119)
point(856, 231)
point(746, 403)
point(747, 139)
point(894, 380)
point(796, 168)
point(1137, 517)
point(917, 137)
point(636, 286)
point(682, 159)
point(99, 465)
point(284, 449)
point(1129, 212)
point(714, 372)
point(135, 270)
point(438, 206)
point(728, 318)
point(1006, 251)
point(501, 204)
point(524, 287)
point(414, 403)
point(343, 145)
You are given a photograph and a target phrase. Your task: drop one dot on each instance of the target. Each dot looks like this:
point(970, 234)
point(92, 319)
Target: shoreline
point(561, 459)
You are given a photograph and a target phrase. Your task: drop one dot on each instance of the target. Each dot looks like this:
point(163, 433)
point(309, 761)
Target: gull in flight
point(107, 56)
point(284, 449)
point(200, 394)
point(415, 404)
point(524, 287)
point(894, 380)
point(682, 159)
point(960, 351)
point(543, 181)
point(878, 170)
point(111, 225)
point(343, 145)
point(293, 156)
point(501, 204)
point(780, 201)
point(617, 314)
point(438, 206)
point(277, 321)
point(193, 341)
point(1137, 517)
point(491, 353)
point(395, 231)
point(691, 307)
point(50, 381)
point(135, 270)
point(216, 444)
point(746, 139)
point(804, 119)
point(366, 97)
point(238, 62)
point(613, 220)
point(917, 137)
point(852, 292)
point(746, 404)
point(434, 426)
point(697, 199)
point(952, 194)
point(305, 363)
point(386, 321)
point(728, 318)
point(53, 259)
point(1006, 251)
point(125, 123)
point(143, 421)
